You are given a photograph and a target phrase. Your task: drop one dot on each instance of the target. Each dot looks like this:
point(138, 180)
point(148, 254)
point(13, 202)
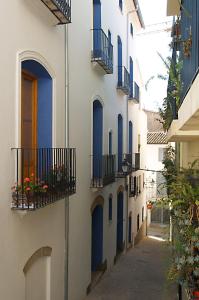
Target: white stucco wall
point(28, 27)
point(87, 83)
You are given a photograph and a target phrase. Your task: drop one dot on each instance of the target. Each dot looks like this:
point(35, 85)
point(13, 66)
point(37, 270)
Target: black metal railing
point(136, 161)
point(43, 176)
point(61, 9)
point(102, 50)
point(132, 186)
point(123, 80)
point(103, 170)
point(136, 92)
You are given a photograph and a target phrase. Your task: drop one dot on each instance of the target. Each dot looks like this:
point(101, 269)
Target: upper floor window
point(131, 29)
point(121, 4)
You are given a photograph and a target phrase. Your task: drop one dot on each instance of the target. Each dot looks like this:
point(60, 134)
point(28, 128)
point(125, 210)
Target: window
point(120, 4)
point(161, 153)
point(110, 208)
point(132, 186)
point(131, 29)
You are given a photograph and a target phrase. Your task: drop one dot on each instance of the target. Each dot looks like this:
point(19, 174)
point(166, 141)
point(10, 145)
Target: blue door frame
point(97, 138)
point(44, 113)
point(130, 137)
point(97, 26)
point(120, 221)
point(97, 238)
point(120, 142)
point(119, 47)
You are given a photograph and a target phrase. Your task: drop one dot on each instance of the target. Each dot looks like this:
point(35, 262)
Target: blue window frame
point(119, 60)
point(131, 29)
point(120, 142)
point(130, 137)
point(121, 4)
point(110, 208)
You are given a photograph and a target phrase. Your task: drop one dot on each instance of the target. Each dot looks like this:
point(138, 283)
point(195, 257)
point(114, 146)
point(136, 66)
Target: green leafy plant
point(183, 198)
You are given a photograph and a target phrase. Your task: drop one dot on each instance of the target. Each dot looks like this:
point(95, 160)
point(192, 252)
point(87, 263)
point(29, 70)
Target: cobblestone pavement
point(140, 274)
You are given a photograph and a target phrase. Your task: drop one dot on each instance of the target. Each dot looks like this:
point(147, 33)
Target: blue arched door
point(97, 238)
point(130, 137)
point(120, 142)
point(97, 138)
point(119, 58)
point(120, 221)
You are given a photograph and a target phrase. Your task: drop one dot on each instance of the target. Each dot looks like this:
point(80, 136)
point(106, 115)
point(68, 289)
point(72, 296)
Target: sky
point(149, 44)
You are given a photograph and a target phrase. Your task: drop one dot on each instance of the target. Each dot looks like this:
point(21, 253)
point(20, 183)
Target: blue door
point(119, 46)
point(131, 77)
point(120, 222)
point(130, 230)
point(97, 238)
point(120, 142)
point(97, 28)
point(130, 137)
point(97, 138)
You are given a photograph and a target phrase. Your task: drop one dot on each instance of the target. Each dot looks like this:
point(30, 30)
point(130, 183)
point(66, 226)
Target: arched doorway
point(36, 115)
point(97, 238)
point(97, 138)
point(120, 209)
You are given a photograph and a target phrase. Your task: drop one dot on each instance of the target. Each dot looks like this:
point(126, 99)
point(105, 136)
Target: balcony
point(132, 186)
point(123, 83)
point(61, 9)
point(43, 176)
point(136, 162)
point(134, 92)
point(103, 171)
point(102, 51)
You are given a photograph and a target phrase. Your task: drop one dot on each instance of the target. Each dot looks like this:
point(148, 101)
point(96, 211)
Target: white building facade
point(102, 50)
point(70, 87)
point(34, 154)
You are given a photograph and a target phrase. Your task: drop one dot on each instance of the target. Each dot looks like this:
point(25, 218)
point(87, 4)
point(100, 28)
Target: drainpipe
point(66, 225)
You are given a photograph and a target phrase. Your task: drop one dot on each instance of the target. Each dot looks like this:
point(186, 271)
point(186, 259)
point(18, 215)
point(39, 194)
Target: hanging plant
point(187, 45)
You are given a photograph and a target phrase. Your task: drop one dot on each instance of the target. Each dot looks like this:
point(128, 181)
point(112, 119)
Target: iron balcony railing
point(136, 161)
point(132, 186)
point(123, 80)
point(103, 170)
point(61, 9)
point(133, 161)
point(102, 52)
point(134, 92)
point(43, 176)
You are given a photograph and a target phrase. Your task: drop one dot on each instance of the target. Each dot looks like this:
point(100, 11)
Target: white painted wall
point(87, 83)
point(28, 26)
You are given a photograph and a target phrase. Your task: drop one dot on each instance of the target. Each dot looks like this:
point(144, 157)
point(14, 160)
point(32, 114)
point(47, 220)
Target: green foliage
point(183, 196)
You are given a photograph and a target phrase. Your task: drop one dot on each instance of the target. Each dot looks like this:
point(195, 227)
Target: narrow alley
point(140, 274)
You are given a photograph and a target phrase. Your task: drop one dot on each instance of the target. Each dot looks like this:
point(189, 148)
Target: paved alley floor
point(140, 274)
